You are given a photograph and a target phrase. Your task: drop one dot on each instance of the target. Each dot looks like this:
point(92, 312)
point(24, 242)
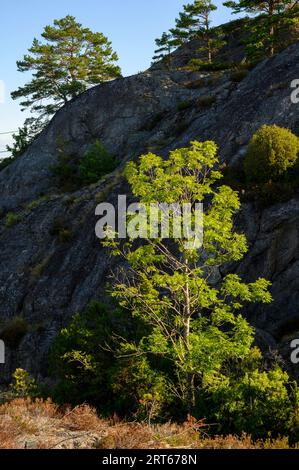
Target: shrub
point(60, 230)
point(184, 105)
point(80, 357)
point(198, 64)
point(195, 84)
point(38, 270)
point(153, 122)
point(265, 194)
point(23, 385)
point(65, 235)
point(276, 87)
point(257, 404)
point(271, 152)
point(94, 363)
point(251, 399)
point(13, 331)
point(11, 219)
point(274, 192)
point(205, 101)
point(234, 176)
point(66, 171)
point(139, 388)
point(96, 163)
point(179, 128)
point(238, 75)
point(5, 162)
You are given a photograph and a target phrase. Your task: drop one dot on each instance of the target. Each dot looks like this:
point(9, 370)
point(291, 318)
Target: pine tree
point(194, 23)
point(69, 60)
point(165, 45)
point(23, 138)
point(264, 34)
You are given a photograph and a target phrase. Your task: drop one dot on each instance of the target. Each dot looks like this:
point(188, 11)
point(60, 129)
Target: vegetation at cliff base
point(179, 343)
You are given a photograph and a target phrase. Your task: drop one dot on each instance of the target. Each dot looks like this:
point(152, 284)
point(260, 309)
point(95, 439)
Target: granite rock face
point(45, 279)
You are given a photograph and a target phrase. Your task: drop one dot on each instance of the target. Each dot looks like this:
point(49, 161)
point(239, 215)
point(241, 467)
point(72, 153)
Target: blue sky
point(131, 25)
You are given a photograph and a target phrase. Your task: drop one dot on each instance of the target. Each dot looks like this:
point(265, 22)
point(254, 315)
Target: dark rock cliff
point(45, 279)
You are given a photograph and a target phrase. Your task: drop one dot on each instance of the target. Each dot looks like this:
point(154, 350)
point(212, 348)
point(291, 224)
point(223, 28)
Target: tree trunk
point(208, 39)
point(272, 33)
point(189, 376)
point(272, 29)
point(209, 52)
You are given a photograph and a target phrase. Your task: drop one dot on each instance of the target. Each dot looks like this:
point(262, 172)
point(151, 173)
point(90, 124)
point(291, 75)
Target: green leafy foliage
point(271, 152)
point(179, 343)
point(202, 65)
point(68, 60)
point(78, 361)
point(96, 163)
point(73, 173)
point(165, 46)
point(22, 386)
point(84, 361)
point(238, 75)
point(194, 22)
point(265, 32)
point(24, 137)
point(61, 230)
point(251, 398)
point(66, 170)
point(11, 219)
point(6, 162)
point(196, 328)
point(139, 387)
point(266, 187)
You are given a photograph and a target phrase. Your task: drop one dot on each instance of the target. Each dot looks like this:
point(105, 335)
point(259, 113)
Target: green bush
point(139, 389)
point(271, 152)
point(184, 105)
point(82, 359)
point(96, 163)
point(22, 386)
point(94, 361)
point(238, 75)
point(72, 173)
point(5, 162)
point(64, 170)
point(200, 65)
point(205, 101)
point(153, 122)
point(259, 402)
point(195, 84)
point(11, 219)
point(38, 270)
point(60, 230)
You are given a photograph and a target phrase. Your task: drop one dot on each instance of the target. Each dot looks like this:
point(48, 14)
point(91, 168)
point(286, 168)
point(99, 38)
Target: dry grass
point(26, 423)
